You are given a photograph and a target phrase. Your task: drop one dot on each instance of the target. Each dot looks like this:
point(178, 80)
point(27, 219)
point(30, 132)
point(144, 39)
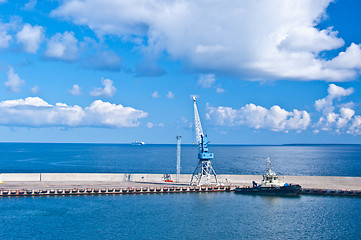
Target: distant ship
point(136, 143)
point(270, 185)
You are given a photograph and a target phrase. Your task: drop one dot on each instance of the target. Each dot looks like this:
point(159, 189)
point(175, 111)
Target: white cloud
point(339, 118)
point(107, 91)
point(14, 82)
point(35, 112)
point(30, 37)
point(155, 94)
point(170, 95)
point(30, 5)
point(350, 59)
point(355, 128)
point(35, 90)
point(334, 92)
point(62, 46)
point(220, 90)
point(4, 39)
point(260, 40)
point(106, 114)
point(257, 117)
point(76, 91)
point(206, 80)
point(151, 125)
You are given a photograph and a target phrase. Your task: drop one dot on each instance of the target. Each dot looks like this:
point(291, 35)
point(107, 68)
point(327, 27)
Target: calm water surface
point(180, 216)
point(331, 160)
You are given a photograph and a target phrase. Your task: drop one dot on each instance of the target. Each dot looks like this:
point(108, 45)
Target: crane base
point(203, 174)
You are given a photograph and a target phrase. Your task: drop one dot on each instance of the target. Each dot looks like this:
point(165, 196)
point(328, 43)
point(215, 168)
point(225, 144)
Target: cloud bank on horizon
point(35, 112)
point(339, 118)
point(254, 40)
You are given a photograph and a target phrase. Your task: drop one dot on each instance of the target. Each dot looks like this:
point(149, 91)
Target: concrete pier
point(26, 184)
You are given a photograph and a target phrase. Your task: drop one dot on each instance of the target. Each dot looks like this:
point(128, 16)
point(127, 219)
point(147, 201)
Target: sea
point(186, 215)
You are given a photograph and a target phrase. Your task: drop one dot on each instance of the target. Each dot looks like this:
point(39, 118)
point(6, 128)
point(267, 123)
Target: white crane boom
point(197, 123)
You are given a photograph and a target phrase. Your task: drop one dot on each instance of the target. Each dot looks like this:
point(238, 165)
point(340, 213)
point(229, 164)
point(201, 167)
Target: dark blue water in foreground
point(184, 215)
point(319, 160)
point(180, 216)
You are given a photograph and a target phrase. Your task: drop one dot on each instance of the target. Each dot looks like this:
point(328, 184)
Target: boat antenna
point(268, 164)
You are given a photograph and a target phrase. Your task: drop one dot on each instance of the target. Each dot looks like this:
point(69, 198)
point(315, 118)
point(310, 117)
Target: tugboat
point(270, 185)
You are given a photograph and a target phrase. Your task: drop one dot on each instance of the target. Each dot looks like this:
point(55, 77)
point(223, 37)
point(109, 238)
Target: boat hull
point(284, 190)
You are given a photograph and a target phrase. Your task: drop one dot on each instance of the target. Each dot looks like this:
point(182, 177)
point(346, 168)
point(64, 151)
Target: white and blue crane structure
point(204, 170)
point(179, 140)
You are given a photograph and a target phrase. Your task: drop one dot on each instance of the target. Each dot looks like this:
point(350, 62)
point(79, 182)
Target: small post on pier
point(179, 139)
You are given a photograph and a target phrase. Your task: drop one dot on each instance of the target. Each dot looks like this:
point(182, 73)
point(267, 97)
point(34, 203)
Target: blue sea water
point(184, 215)
point(180, 216)
point(317, 160)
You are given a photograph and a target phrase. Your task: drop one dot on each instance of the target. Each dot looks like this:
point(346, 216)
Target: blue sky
point(264, 72)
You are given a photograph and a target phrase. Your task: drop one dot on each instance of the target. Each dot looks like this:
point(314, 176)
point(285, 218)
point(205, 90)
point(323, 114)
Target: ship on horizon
point(136, 143)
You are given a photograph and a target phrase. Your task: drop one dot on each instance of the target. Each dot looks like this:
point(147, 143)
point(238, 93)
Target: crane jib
point(204, 170)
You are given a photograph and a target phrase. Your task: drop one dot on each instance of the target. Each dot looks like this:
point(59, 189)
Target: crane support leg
point(203, 174)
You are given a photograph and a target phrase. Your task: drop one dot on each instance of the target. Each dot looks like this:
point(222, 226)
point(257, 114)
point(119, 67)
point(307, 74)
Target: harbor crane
point(204, 170)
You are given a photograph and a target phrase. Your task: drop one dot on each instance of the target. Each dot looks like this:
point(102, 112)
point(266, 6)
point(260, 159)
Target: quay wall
point(324, 182)
point(116, 177)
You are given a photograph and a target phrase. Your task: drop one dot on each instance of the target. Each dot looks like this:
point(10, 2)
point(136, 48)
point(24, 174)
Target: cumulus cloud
point(76, 91)
point(4, 39)
point(339, 118)
point(35, 112)
point(350, 59)
point(170, 95)
point(257, 117)
point(62, 46)
point(283, 41)
point(335, 117)
point(334, 92)
point(155, 94)
point(14, 82)
point(206, 80)
point(30, 37)
point(107, 91)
